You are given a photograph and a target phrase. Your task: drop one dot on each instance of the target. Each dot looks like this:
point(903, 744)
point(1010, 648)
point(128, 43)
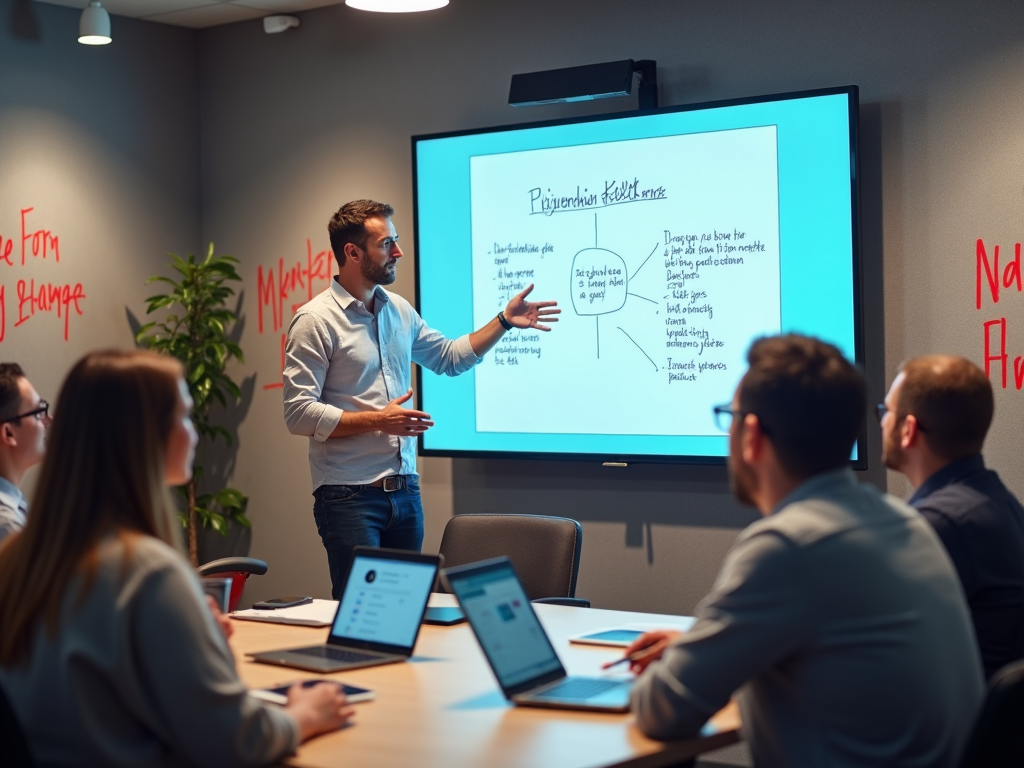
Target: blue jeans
point(351, 515)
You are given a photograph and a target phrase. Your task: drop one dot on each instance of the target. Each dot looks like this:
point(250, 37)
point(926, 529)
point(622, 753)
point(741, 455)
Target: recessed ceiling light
point(94, 26)
point(396, 6)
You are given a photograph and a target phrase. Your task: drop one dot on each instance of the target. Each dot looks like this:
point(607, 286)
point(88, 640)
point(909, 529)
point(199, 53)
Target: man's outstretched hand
point(531, 314)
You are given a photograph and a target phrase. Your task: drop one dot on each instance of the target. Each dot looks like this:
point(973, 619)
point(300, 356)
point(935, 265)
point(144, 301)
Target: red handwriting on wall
point(988, 275)
point(287, 287)
point(36, 243)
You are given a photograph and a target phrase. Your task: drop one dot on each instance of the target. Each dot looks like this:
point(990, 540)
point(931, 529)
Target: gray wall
point(103, 143)
point(132, 154)
point(296, 124)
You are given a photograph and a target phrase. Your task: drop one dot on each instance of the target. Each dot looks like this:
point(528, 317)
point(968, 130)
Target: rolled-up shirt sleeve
point(307, 353)
point(433, 350)
point(752, 618)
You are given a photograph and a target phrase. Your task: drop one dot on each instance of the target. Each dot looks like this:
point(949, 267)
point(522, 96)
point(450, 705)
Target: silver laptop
point(378, 617)
point(517, 647)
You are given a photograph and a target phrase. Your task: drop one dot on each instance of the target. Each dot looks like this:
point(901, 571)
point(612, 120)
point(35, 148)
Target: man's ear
point(752, 439)
point(910, 432)
point(7, 436)
point(353, 252)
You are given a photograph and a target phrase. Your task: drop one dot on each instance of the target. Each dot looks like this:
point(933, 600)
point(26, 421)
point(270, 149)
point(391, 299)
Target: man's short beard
point(377, 274)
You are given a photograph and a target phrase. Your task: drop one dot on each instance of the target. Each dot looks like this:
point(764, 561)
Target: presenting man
point(838, 617)
point(347, 378)
point(23, 422)
point(934, 422)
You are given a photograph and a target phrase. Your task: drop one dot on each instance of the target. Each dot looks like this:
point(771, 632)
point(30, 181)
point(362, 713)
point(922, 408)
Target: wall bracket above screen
point(593, 81)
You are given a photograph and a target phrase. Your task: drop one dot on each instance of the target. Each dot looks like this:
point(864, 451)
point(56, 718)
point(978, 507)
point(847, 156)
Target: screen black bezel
point(853, 100)
point(380, 553)
point(501, 564)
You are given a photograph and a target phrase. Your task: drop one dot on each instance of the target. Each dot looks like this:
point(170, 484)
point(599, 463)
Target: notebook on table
point(517, 647)
point(378, 617)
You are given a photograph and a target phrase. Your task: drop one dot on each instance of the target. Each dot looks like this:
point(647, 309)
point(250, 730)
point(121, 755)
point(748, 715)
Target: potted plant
point(196, 332)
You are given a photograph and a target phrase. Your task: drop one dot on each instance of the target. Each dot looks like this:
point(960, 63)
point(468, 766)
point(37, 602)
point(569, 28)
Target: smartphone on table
point(281, 602)
point(279, 693)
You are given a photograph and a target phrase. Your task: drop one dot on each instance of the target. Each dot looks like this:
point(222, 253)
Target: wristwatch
point(504, 323)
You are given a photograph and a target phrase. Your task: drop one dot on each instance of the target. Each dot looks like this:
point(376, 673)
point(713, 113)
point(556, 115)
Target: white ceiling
point(198, 13)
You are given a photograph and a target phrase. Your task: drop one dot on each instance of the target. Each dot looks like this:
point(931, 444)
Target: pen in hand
point(630, 658)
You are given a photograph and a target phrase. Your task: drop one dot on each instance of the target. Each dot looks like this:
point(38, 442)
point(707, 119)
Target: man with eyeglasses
point(24, 419)
point(347, 380)
point(836, 620)
point(934, 421)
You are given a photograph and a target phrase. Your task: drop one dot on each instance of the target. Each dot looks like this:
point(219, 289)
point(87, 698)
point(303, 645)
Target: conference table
point(444, 708)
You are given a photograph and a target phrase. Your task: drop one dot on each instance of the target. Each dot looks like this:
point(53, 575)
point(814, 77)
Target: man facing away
point(347, 378)
point(934, 421)
point(24, 419)
point(838, 617)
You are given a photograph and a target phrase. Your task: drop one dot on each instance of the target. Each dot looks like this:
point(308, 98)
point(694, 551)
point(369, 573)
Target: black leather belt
point(390, 484)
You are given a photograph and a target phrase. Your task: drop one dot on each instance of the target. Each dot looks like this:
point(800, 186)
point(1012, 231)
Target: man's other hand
point(403, 422)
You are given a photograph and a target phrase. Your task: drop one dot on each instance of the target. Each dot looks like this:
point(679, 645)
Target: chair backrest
point(998, 737)
point(238, 569)
point(544, 550)
point(14, 751)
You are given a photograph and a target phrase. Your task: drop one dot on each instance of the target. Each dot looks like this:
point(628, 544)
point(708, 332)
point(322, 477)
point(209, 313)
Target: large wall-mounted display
point(670, 240)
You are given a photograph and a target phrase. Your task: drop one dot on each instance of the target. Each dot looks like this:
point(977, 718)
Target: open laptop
point(378, 616)
point(517, 647)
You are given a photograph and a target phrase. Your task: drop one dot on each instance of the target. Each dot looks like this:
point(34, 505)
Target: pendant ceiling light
point(94, 26)
point(396, 6)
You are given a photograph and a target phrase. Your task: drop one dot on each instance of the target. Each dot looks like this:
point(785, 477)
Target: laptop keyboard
point(580, 688)
point(335, 654)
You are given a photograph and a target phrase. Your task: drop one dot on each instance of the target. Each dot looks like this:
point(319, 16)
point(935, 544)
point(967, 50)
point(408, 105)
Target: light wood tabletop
point(444, 709)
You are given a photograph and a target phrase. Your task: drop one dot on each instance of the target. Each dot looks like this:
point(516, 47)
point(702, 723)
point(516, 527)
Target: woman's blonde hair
point(103, 473)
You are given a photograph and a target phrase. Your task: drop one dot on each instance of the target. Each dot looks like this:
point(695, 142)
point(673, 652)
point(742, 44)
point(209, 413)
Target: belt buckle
point(392, 483)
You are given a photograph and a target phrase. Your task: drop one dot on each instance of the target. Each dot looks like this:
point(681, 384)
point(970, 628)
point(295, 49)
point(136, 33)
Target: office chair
point(544, 550)
point(238, 569)
point(997, 740)
point(14, 752)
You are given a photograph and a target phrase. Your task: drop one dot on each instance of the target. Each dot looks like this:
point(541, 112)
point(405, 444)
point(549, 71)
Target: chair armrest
point(233, 564)
point(575, 602)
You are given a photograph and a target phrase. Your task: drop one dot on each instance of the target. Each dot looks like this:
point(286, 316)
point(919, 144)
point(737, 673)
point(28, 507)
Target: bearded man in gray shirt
point(838, 619)
point(347, 376)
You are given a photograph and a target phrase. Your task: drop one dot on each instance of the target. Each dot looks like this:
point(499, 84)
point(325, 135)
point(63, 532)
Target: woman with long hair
point(108, 650)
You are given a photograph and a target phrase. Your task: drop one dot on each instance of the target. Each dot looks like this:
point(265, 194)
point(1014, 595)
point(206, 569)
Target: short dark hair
point(952, 400)
point(348, 224)
point(809, 399)
point(10, 393)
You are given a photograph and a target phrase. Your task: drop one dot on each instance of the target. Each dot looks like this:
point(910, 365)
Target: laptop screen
point(383, 601)
point(506, 626)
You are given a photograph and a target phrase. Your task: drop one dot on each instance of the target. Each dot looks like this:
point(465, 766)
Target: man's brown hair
point(809, 400)
point(348, 225)
point(10, 393)
point(952, 400)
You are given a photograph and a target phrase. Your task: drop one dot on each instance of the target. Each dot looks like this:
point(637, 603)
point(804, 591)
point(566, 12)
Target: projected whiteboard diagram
point(663, 254)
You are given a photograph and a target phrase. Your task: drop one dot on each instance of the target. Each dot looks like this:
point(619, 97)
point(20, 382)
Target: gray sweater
point(840, 621)
point(140, 674)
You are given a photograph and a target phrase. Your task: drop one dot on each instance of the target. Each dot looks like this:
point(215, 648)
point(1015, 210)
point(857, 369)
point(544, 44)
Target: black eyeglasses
point(881, 410)
point(41, 412)
point(724, 416)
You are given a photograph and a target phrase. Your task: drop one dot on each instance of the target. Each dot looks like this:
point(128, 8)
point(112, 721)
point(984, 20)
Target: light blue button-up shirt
point(339, 357)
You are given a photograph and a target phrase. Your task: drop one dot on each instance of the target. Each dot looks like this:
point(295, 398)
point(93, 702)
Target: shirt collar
point(346, 299)
point(10, 494)
point(955, 470)
point(822, 484)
